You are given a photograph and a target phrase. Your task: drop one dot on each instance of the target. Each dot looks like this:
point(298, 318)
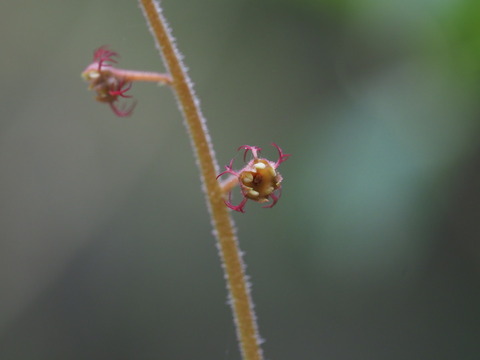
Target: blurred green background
point(373, 251)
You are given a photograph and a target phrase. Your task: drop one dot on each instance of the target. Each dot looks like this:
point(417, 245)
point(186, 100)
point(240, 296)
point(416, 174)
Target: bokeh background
point(373, 251)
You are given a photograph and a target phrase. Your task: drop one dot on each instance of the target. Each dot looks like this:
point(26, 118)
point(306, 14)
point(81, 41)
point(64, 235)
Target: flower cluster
point(109, 83)
point(259, 180)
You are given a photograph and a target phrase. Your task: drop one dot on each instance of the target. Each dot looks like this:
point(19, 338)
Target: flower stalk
point(227, 242)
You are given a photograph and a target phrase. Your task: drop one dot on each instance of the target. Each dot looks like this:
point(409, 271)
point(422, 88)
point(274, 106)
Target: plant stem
point(228, 184)
point(230, 253)
point(132, 75)
point(128, 75)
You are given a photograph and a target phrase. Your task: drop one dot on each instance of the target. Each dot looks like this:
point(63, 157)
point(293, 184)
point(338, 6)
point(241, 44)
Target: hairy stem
point(230, 254)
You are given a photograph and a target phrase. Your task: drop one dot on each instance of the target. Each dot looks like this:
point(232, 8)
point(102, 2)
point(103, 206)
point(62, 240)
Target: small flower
point(109, 85)
point(259, 180)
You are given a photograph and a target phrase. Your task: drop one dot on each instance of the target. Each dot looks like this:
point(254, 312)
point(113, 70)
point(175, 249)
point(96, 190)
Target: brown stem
point(230, 254)
point(91, 71)
point(132, 75)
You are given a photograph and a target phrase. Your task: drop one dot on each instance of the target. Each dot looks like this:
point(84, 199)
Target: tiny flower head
point(109, 84)
point(259, 180)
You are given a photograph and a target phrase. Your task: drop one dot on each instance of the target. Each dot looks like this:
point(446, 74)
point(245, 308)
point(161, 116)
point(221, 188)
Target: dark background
point(373, 251)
